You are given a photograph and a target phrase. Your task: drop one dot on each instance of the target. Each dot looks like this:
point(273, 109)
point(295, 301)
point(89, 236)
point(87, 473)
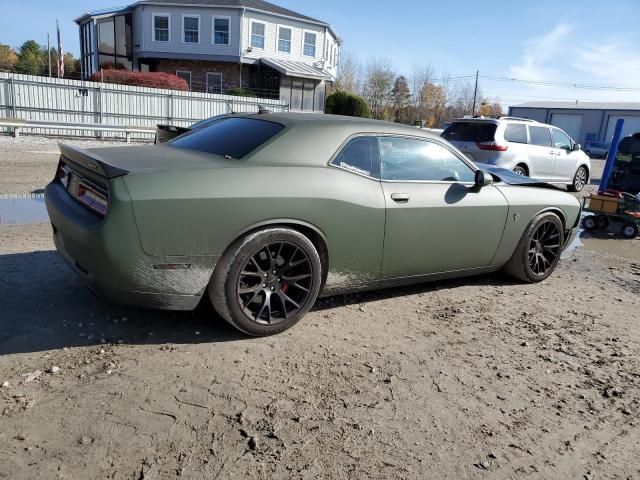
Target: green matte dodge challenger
point(264, 212)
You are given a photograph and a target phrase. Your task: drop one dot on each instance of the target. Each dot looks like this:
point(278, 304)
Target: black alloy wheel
point(538, 251)
point(545, 248)
point(274, 283)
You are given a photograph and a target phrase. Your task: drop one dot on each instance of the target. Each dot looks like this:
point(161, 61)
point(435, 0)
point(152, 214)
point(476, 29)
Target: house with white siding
point(217, 45)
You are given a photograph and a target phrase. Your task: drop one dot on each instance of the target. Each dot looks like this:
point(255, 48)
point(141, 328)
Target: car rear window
point(470, 132)
point(233, 137)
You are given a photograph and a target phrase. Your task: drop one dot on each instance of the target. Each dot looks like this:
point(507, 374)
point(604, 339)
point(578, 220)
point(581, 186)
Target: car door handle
point(400, 197)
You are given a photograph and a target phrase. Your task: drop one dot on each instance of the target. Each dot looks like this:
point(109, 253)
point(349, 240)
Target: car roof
point(340, 122)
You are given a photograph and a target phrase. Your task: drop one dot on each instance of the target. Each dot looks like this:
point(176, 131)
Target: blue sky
point(577, 42)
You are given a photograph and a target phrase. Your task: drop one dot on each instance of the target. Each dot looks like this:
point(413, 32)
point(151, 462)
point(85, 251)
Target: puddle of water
point(603, 241)
point(623, 247)
point(29, 209)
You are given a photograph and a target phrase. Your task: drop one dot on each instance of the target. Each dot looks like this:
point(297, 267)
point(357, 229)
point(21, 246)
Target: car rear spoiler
point(90, 161)
point(164, 133)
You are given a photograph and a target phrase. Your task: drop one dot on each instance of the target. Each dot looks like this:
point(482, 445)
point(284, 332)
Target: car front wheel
point(579, 180)
point(539, 249)
point(266, 281)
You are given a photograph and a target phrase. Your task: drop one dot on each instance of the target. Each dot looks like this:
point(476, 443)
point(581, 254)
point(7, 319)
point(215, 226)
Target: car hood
point(511, 178)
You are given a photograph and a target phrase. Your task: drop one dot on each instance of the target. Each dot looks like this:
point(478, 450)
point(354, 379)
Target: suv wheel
point(579, 180)
point(521, 170)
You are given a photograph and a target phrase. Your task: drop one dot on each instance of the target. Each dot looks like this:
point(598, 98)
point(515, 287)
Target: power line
point(560, 84)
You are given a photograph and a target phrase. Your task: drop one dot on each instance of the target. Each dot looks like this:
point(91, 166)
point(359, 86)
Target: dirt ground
point(472, 378)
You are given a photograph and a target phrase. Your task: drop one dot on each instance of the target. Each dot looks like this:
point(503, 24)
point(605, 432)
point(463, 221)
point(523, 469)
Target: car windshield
point(229, 137)
point(470, 132)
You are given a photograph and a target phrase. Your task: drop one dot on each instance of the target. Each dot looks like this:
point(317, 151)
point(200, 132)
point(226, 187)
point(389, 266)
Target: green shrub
point(344, 103)
point(240, 92)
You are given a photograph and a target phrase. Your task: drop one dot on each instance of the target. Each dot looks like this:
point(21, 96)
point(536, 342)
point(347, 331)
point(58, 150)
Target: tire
point(247, 293)
point(589, 223)
point(630, 231)
point(579, 180)
point(530, 253)
point(521, 170)
point(602, 222)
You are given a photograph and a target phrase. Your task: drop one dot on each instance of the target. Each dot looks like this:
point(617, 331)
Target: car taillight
point(494, 146)
point(91, 196)
point(63, 174)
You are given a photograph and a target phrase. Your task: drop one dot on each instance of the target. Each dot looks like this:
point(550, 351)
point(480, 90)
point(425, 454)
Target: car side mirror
point(576, 146)
point(482, 179)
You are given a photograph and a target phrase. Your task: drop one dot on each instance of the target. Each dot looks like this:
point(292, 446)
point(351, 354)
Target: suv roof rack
point(519, 118)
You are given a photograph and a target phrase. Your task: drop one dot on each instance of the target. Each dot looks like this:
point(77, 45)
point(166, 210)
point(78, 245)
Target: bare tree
point(491, 109)
point(421, 78)
point(378, 84)
point(348, 74)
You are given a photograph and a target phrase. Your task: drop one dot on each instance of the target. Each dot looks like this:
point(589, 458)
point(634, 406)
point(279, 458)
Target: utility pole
point(475, 95)
point(49, 52)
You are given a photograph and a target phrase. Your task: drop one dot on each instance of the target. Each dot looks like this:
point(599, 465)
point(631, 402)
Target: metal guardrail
point(17, 125)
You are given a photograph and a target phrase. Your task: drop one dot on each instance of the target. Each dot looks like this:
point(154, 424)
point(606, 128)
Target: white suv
point(525, 146)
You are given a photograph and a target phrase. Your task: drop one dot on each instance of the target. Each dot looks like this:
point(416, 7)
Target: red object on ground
point(141, 79)
point(610, 193)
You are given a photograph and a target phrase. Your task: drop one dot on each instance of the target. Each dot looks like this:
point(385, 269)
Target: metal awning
point(296, 69)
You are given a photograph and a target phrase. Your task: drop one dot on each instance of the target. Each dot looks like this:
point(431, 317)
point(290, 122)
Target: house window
point(257, 35)
point(284, 40)
point(309, 49)
point(185, 75)
point(221, 31)
point(160, 27)
point(190, 29)
point(214, 82)
point(114, 41)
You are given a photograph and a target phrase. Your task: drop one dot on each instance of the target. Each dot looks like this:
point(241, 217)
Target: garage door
point(631, 125)
point(570, 123)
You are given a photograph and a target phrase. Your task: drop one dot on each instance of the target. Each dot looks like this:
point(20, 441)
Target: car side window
point(539, 136)
point(561, 139)
point(413, 159)
point(359, 155)
point(515, 132)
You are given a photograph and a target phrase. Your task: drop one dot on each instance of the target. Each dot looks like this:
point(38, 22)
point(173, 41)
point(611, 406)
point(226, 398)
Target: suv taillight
point(494, 146)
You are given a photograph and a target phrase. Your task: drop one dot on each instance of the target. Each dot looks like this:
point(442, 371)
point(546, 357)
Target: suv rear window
point(515, 132)
point(235, 137)
point(470, 132)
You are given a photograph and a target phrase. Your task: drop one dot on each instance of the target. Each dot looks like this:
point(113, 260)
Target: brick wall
point(199, 69)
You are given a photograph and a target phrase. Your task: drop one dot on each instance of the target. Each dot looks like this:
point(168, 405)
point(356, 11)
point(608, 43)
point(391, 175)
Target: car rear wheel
point(539, 249)
point(579, 180)
point(266, 281)
point(521, 170)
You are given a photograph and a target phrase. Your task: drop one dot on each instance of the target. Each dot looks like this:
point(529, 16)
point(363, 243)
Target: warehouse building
point(585, 122)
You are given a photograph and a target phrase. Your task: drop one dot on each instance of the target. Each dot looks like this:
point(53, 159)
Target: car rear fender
point(312, 232)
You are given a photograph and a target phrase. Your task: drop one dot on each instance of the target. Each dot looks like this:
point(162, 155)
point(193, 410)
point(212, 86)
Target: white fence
point(29, 97)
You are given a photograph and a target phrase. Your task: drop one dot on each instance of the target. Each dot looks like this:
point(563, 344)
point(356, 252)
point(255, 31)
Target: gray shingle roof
point(251, 4)
point(582, 105)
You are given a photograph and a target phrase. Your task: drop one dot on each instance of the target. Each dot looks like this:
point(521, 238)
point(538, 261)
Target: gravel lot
point(473, 378)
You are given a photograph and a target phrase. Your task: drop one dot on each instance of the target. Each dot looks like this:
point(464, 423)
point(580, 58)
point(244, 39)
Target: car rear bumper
point(107, 255)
